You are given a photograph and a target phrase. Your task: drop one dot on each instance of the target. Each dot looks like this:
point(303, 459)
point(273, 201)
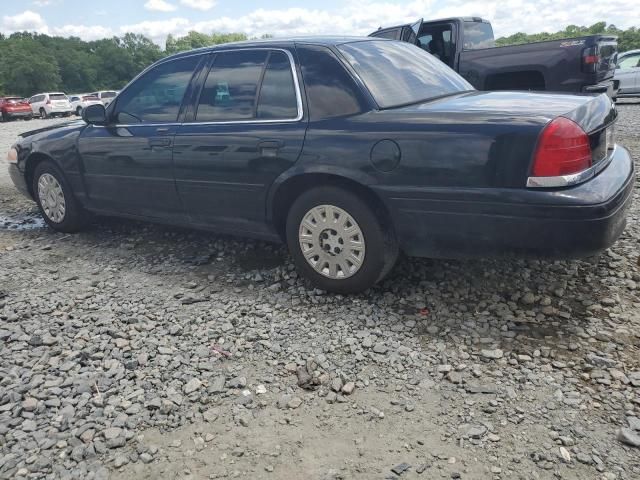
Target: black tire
point(1, 117)
point(30, 117)
point(43, 114)
point(75, 218)
point(381, 248)
point(79, 111)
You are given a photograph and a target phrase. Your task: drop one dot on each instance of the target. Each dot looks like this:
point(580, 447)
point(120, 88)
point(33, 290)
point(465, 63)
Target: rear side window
point(278, 100)
point(331, 91)
point(231, 88)
point(157, 95)
point(478, 35)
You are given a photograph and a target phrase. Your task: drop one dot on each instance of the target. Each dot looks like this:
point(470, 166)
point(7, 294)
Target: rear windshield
point(478, 35)
point(13, 99)
point(108, 94)
point(398, 73)
point(58, 96)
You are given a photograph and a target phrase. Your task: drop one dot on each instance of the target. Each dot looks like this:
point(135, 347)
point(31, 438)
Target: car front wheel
point(56, 201)
point(338, 242)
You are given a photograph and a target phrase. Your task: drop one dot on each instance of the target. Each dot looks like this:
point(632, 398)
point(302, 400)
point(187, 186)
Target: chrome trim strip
point(573, 179)
point(296, 84)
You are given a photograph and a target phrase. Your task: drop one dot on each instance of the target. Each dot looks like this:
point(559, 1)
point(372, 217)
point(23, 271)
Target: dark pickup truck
point(584, 64)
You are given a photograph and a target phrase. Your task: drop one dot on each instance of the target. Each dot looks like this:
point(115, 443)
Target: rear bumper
point(610, 87)
point(19, 114)
point(571, 222)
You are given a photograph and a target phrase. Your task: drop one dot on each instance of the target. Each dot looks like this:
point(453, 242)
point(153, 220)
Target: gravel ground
point(140, 351)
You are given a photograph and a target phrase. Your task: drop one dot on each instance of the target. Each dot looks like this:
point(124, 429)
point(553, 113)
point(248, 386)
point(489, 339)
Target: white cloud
point(203, 5)
point(159, 6)
point(86, 32)
point(354, 17)
point(27, 20)
point(42, 3)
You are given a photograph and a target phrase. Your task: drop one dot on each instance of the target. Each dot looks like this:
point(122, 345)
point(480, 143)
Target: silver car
point(628, 73)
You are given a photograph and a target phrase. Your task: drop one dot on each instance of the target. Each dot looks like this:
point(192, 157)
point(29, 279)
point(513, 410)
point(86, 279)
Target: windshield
point(397, 73)
point(478, 35)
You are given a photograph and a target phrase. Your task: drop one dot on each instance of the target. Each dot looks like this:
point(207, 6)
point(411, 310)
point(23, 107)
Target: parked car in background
point(14, 107)
point(105, 96)
point(584, 64)
point(50, 104)
point(628, 74)
point(80, 101)
point(349, 150)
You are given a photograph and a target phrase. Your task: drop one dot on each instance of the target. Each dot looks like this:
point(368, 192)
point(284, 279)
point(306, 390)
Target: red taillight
point(563, 149)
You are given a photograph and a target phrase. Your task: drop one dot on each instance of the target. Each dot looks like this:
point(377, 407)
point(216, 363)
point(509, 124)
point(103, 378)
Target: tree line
point(628, 39)
point(32, 63)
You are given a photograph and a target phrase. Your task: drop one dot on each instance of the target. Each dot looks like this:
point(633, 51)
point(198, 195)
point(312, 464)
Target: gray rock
point(628, 437)
point(191, 386)
point(492, 354)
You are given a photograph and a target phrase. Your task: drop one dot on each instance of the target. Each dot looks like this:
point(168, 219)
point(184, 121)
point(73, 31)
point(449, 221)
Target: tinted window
point(629, 62)
point(58, 96)
point(277, 98)
point(478, 35)
point(331, 92)
point(398, 73)
point(157, 95)
point(231, 87)
point(108, 94)
point(392, 34)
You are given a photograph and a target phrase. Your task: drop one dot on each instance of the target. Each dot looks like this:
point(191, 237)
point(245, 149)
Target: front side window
point(629, 62)
point(390, 34)
point(156, 96)
point(398, 74)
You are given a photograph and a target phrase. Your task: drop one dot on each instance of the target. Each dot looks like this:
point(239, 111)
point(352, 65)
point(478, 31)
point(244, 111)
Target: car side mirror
point(95, 114)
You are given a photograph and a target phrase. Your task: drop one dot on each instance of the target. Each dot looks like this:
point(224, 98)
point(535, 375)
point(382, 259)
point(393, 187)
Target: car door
point(245, 129)
point(628, 72)
point(128, 162)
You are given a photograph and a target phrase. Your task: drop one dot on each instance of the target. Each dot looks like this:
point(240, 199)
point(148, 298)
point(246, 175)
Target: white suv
point(50, 104)
point(80, 101)
point(105, 96)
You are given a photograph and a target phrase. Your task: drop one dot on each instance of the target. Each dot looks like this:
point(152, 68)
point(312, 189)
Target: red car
point(14, 107)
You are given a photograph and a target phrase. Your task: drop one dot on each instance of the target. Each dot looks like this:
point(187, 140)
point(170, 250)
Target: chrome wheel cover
point(332, 242)
point(51, 198)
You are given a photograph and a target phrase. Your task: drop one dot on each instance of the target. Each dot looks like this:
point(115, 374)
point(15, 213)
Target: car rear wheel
point(79, 111)
point(56, 201)
point(338, 242)
point(1, 117)
point(43, 113)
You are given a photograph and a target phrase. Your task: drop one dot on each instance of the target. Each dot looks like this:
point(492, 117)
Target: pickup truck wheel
point(56, 201)
point(337, 242)
point(43, 113)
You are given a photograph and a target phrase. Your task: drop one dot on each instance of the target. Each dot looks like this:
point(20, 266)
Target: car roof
point(327, 41)
point(628, 52)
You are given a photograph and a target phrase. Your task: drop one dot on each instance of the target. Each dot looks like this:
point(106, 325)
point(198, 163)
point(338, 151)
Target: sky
point(95, 19)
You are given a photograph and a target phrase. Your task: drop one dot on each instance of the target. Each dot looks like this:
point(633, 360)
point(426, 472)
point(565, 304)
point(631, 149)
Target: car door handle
point(159, 142)
point(269, 148)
